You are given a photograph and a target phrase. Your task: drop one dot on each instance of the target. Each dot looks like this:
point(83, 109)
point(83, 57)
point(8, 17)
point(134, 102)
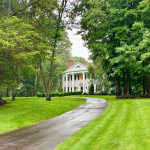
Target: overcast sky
point(77, 48)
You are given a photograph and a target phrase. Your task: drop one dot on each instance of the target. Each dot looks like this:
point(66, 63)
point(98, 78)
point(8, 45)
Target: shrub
point(104, 93)
point(52, 94)
point(39, 95)
point(112, 92)
point(60, 89)
point(65, 93)
point(60, 94)
point(91, 89)
point(84, 93)
point(43, 94)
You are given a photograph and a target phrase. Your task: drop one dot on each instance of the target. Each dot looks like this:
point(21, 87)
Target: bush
point(43, 94)
point(104, 93)
point(91, 89)
point(52, 94)
point(60, 89)
point(39, 95)
point(84, 93)
point(112, 92)
point(60, 94)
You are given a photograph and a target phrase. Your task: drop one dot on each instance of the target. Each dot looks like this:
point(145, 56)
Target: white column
point(66, 83)
point(94, 88)
point(72, 82)
point(83, 82)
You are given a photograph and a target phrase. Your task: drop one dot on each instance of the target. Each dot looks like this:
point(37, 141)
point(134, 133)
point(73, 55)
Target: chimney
point(70, 63)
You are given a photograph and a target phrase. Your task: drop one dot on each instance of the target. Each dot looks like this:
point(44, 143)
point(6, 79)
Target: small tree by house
point(91, 89)
point(60, 89)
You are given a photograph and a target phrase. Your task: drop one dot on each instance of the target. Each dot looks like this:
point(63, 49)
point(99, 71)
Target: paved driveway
point(48, 134)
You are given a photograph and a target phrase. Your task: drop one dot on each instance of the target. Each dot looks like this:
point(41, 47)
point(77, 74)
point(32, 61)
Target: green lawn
point(26, 111)
point(125, 125)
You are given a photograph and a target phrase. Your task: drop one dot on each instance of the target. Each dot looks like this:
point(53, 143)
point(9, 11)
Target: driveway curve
point(48, 134)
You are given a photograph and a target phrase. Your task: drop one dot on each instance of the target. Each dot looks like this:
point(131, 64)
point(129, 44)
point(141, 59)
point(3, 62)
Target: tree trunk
point(48, 92)
point(124, 83)
point(2, 102)
point(127, 83)
point(35, 84)
point(143, 85)
point(5, 93)
point(147, 85)
point(118, 89)
point(143, 80)
point(0, 95)
point(147, 78)
point(13, 93)
point(43, 80)
point(50, 77)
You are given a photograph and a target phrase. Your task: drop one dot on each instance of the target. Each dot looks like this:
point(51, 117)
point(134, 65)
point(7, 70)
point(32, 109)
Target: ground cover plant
point(125, 125)
point(30, 110)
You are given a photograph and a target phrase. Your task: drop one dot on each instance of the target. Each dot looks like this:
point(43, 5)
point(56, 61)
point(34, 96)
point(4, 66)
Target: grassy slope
point(26, 111)
point(125, 125)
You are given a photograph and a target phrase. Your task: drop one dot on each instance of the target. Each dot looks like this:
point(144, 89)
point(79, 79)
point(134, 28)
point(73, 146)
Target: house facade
point(75, 77)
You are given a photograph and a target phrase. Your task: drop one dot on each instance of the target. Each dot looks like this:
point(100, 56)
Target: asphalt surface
point(50, 133)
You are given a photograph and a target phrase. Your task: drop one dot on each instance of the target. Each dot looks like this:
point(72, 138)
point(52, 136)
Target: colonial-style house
point(75, 77)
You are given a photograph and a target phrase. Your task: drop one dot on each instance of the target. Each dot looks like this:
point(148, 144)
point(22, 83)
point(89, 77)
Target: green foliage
point(60, 89)
point(53, 94)
point(118, 32)
point(98, 75)
point(78, 59)
point(91, 89)
point(19, 44)
point(112, 92)
point(84, 93)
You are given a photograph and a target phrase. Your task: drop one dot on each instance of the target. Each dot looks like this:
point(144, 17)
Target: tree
point(19, 44)
point(91, 89)
point(78, 59)
point(116, 31)
point(97, 75)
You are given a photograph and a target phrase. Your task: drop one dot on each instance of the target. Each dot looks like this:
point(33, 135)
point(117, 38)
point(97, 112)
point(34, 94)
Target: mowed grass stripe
point(82, 139)
point(30, 110)
point(125, 125)
point(134, 134)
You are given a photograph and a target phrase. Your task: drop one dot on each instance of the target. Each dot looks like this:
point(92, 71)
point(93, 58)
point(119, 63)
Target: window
point(85, 76)
point(64, 78)
point(71, 77)
point(64, 89)
point(78, 77)
point(68, 78)
point(74, 77)
point(78, 67)
point(68, 89)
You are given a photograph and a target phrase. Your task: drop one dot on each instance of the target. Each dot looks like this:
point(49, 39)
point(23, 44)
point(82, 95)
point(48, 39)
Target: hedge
point(53, 94)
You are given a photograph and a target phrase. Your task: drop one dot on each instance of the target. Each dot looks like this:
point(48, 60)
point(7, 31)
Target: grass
point(27, 111)
point(125, 125)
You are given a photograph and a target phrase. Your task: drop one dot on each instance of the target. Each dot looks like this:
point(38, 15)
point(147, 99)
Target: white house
point(75, 77)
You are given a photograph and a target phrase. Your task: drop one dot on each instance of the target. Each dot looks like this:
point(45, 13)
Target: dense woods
point(34, 45)
point(118, 32)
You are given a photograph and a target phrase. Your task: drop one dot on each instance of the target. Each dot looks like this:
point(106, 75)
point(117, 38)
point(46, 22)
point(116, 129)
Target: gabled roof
point(73, 68)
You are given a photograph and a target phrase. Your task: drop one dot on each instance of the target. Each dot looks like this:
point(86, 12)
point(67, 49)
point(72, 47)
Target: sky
point(77, 48)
